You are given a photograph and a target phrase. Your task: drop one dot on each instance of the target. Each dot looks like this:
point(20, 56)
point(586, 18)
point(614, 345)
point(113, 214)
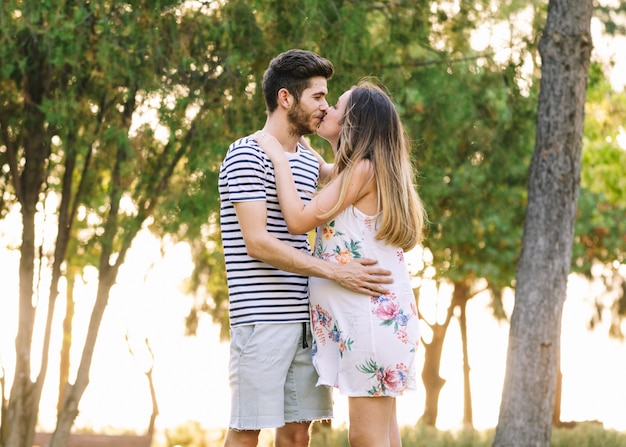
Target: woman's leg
point(370, 421)
point(394, 429)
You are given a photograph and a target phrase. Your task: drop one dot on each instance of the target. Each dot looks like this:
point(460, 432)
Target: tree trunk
point(60, 251)
point(556, 413)
point(534, 341)
point(107, 274)
point(433, 383)
point(149, 376)
point(74, 392)
point(19, 428)
point(15, 427)
point(153, 397)
point(66, 343)
point(468, 416)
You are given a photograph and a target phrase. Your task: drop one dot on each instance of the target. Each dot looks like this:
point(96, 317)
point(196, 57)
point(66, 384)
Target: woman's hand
point(269, 144)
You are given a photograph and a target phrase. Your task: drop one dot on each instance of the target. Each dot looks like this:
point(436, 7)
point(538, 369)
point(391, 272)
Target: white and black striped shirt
point(259, 292)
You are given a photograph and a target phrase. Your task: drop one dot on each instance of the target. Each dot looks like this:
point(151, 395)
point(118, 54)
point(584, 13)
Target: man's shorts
point(272, 378)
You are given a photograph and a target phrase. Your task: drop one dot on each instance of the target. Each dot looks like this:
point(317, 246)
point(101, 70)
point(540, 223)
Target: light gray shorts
point(272, 378)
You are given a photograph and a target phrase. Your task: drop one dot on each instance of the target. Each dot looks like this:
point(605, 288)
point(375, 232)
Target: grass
point(419, 436)
point(581, 435)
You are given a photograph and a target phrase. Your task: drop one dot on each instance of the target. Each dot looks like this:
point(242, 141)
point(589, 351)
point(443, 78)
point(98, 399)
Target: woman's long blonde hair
point(372, 130)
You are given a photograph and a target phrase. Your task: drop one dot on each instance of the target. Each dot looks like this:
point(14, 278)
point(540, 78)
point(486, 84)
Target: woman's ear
point(285, 99)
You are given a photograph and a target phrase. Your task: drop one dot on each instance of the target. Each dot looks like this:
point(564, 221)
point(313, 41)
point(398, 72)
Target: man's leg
point(242, 438)
point(260, 358)
point(293, 434)
point(304, 400)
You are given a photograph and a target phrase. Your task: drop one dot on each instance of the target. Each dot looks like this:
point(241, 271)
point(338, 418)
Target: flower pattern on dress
point(321, 321)
point(400, 255)
point(388, 310)
point(387, 380)
point(342, 254)
point(328, 231)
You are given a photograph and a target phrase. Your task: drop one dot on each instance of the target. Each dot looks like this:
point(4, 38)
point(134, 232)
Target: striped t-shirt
point(259, 292)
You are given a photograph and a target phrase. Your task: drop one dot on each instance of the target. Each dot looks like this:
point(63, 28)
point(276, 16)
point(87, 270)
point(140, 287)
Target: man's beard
point(299, 121)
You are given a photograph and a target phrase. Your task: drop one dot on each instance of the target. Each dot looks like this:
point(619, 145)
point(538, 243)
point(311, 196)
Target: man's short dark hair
point(292, 70)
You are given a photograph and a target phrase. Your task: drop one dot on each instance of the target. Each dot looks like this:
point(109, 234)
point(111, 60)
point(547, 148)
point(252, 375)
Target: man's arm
point(359, 275)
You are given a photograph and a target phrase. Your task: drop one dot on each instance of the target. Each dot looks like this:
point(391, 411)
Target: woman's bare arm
point(300, 218)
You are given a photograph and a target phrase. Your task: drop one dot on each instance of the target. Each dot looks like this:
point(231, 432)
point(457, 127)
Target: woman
point(364, 346)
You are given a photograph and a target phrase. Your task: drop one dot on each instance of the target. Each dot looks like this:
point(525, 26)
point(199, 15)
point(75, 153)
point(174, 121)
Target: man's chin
point(309, 131)
point(303, 129)
point(316, 128)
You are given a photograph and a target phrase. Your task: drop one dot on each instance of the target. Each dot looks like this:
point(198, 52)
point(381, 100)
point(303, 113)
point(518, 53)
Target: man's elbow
point(255, 247)
point(254, 251)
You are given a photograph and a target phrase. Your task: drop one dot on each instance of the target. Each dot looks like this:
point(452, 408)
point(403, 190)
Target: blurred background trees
point(115, 117)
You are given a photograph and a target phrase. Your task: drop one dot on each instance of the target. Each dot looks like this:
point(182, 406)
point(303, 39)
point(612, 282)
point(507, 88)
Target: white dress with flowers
point(364, 346)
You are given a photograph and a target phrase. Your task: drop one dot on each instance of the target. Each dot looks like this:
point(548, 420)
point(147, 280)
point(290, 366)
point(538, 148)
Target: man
point(272, 379)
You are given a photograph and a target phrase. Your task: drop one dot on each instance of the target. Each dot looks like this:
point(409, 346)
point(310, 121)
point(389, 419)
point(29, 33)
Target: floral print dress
point(364, 346)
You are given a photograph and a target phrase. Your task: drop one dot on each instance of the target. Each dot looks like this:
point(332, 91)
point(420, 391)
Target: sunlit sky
point(190, 373)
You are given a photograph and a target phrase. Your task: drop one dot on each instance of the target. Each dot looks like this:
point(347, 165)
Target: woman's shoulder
point(364, 167)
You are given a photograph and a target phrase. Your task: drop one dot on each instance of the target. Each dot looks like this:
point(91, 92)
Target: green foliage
point(472, 125)
point(600, 231)
point(611, 15)
point(477, 139)
point(603, 157)
point(199, 73)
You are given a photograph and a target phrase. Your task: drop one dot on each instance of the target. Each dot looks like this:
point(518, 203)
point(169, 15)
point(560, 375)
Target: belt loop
point(304, 342)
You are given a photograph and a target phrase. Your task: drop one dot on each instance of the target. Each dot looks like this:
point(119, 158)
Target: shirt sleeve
point(246, 173)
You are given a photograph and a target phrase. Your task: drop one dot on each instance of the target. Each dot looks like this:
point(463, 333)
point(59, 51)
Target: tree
point(74, 78)
point(553, 187)
point(599, 241)
point(461, 107)
point(473, 188)
point(475, 124)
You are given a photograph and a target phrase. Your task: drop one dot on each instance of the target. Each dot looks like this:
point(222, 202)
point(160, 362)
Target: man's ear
point(285, 99)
